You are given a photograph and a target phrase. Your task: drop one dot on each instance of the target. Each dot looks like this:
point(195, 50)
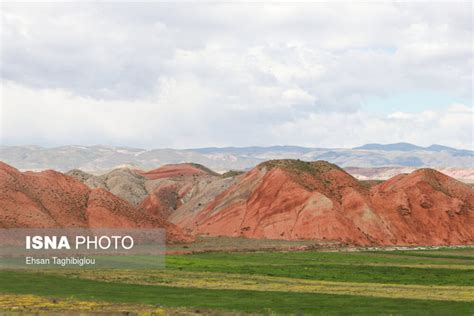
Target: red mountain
point(426, 207)
point(52, 199)
point(289, 199)
point(280, 199)
point(174, 189)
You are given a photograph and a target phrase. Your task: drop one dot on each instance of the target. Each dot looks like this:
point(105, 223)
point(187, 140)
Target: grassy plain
point(415, 282)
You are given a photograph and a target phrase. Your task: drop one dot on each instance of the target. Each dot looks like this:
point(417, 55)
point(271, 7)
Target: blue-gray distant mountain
point(391, 147)
point(411, 147)
point(253, 150)
point(104, 158)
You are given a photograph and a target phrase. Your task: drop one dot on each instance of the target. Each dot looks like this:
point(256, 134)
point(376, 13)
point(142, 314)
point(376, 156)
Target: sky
point(187, 75)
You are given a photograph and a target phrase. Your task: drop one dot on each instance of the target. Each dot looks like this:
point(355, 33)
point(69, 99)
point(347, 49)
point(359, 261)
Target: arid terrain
point(279, 199)
point(52, 199)
point(288, 199)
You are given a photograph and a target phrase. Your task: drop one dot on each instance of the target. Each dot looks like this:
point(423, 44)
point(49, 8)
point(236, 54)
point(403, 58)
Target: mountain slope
point(289, 199)
point(124, 183)
point(52, 199)
point(176, 190)
point(160, 191)
point(278, 199)
point(426, 207)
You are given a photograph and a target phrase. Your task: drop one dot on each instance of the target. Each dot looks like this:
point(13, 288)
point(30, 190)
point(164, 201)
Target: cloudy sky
point(194, 75)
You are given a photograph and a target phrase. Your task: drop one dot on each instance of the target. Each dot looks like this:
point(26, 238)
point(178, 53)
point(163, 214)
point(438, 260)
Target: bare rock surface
point(124, 183)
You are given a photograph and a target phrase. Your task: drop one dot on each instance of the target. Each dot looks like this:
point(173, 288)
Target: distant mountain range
point(411, 147)
point(98, 159)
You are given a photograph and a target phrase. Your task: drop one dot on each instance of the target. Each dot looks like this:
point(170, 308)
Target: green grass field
point(427, 282)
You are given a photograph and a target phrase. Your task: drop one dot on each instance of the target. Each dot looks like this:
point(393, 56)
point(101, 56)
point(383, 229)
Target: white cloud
point(160, 74)
point(452, 126)
point(55, 117)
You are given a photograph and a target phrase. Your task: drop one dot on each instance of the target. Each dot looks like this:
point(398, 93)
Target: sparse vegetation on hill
point(79, 175)
point(287, 164)
point(322, 174)
point(204, 168)
point(370, 183)
point(300, 166)
point(232, 173)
